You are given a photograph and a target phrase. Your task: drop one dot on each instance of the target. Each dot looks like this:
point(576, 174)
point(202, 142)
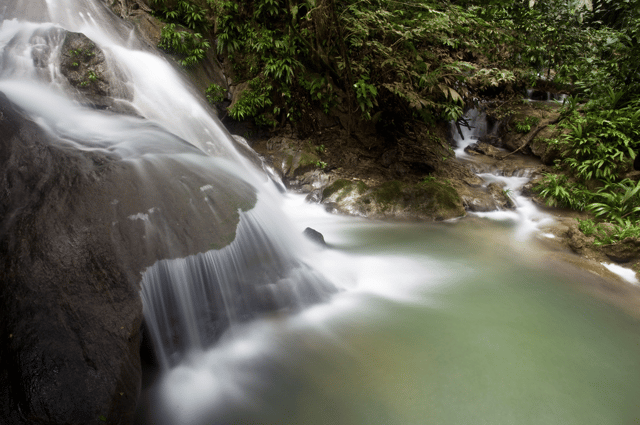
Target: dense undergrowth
point(396, 63)
point(601, 125)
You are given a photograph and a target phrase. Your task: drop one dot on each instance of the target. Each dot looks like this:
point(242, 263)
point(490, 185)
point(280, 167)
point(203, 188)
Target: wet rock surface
point(70, 313)
point(315, 236)
point(77, 229)
point(505, 152)
point(97, 83)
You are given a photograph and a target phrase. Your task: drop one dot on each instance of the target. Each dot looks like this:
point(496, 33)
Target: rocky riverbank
point(336, 170)
point(373, 170)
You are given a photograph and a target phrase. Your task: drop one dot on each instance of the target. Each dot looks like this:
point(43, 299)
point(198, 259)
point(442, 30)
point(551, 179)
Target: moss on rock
point(430, 199)
point(337, 186)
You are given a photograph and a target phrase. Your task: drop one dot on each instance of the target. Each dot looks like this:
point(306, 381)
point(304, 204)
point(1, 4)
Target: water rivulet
point(120, 194)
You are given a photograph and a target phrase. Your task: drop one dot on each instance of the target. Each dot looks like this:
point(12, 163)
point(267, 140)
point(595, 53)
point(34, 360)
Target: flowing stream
point(464, 322)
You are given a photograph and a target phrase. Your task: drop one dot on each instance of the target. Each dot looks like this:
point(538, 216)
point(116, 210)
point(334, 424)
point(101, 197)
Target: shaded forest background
point(405, 66)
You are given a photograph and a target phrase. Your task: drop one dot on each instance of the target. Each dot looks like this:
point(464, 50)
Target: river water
point(450, 323)
point(464, 322)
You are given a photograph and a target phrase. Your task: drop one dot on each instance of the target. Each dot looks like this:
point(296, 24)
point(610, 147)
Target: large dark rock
point(70, 314)
point(77, 228)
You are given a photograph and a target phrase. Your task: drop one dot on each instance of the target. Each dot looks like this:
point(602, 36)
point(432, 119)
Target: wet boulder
point(431, 199)
point(95, 80)
point(294, 161)
point(625, 251)
point(77, 229)
point(315, 236)
point(501, 195)
point(483, 148)
point(70, 314)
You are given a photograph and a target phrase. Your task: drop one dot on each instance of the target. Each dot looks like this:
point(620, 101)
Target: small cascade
point(468, 130)
point(545, 96)
point(190, 301)
point(525, 214)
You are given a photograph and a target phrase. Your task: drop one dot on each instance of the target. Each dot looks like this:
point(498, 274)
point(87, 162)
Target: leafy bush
point(558, 191)
point(609, 234)
point(320, 90)
point(618, 202)
point(526, 124)
point(253, 102)
point(398, 60)
point(191, 47)
point(215, 93)
point(183, 33)
point(184, 13)
point(602, 143)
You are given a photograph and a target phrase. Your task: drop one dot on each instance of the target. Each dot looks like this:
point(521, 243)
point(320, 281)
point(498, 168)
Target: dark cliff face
point(69, 311)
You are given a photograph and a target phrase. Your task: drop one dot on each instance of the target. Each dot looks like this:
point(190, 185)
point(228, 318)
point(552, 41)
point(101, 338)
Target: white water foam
point(526, 216)
point(625, 273)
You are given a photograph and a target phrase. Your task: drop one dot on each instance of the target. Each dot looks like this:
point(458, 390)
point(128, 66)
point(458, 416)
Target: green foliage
point(184, 13)
point(320, 90)
point(90, 77)
point(569, 107)
point(399, 60)
point(81, 55)
point(611, 233)
point(617, 202)
point(525, 125)
point(320, 164)
point(366, 96)
point(215, 93)
point(558, 191)
point(485, 78)
point(191, 47)
point(588, 226)
point(602, 143)
point(254, 102)
point(452, 112)
point(183, 33)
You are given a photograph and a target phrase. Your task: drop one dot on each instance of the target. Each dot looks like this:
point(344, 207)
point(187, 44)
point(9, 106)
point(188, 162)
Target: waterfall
point(526, 216)
point(439, 323)
point(468, 130)
point(200, 218)
point(190, 301)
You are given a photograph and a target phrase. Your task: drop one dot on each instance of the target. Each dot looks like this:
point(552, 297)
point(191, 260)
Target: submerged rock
point(315, 236)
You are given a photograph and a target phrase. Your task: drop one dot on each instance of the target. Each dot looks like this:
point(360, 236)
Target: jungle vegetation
point(400, 62)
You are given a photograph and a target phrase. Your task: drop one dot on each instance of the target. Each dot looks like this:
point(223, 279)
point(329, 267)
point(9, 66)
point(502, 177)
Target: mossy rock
point(292, 158)
point(430, 199)
point(338, 186)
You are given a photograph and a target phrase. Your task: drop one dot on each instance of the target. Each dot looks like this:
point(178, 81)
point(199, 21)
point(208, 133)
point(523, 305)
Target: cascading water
point(526, 215)
point(189, 198)
point(474, 125)
point(459, 322)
